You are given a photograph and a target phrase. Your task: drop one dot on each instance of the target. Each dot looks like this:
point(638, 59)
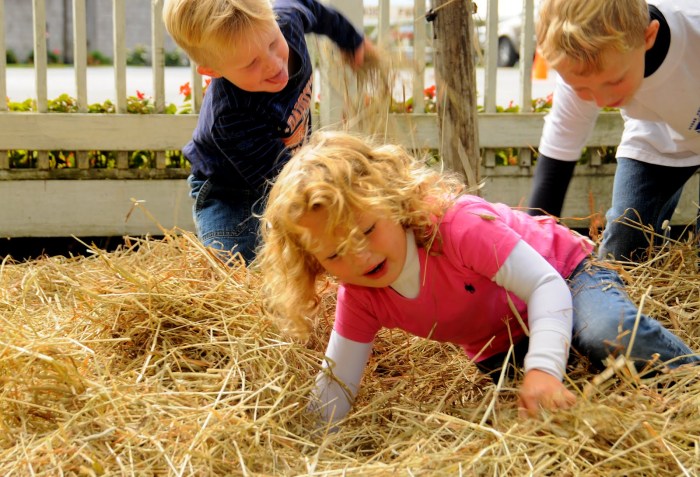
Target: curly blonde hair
point(582, 31)
point(206, 29)
point(342, 174)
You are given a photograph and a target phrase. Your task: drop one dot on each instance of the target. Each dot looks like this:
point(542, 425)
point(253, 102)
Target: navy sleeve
point(323, 20)
point(549, 185)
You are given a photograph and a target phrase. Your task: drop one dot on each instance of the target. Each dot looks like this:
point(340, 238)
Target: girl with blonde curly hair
point(411, 250)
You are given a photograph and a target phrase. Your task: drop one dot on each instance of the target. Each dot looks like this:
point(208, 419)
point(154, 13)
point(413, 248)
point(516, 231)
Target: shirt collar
point(408, 282)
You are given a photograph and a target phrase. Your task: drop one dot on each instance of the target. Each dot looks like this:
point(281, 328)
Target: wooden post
point(456, 87)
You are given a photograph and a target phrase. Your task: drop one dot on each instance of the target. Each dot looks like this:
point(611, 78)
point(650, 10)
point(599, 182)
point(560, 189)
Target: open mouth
point(376, 270)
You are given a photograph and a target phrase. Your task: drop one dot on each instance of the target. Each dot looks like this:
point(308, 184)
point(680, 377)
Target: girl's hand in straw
point(541, 390)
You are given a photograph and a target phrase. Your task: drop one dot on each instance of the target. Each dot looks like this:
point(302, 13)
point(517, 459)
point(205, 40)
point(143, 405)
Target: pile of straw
point(155, 359)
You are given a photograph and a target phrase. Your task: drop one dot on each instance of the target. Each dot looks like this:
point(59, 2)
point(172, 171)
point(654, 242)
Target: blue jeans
point(225, 216)
point(645, 194)
point(603, 322)
point(604, 319)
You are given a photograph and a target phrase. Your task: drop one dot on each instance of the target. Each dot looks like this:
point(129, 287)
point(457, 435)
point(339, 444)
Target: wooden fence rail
point(45, 201)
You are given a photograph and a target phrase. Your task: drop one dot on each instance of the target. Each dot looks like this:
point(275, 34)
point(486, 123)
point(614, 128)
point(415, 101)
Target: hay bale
point(155, 359)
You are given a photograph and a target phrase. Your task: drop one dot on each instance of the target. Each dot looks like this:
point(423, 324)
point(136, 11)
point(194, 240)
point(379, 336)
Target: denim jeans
point(644, 194)
point(225, 216)
point(603, 324)
point(605, 318)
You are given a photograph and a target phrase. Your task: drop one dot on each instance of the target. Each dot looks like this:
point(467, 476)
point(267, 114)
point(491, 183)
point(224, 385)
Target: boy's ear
point(650, 34)
point(206, 71)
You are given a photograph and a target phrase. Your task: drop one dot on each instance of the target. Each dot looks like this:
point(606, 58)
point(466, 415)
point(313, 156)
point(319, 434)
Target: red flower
point(429, 92)
point(185, 90)
point(140, 95)
point(206, 85)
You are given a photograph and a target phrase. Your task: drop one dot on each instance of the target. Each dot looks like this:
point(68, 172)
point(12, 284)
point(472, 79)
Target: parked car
point(509, 34)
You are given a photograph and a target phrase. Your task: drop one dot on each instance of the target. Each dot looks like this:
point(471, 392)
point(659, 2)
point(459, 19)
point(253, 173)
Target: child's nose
point(274, 64)
point(363, 257)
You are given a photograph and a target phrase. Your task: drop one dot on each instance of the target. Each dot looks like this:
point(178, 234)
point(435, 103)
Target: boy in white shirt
point(643, 59)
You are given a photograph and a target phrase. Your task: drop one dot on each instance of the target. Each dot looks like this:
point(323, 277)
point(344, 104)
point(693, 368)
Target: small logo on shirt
point(469, 287)
point(695, 123)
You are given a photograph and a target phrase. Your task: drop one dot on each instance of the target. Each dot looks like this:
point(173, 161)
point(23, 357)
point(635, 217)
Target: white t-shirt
point(662, 121)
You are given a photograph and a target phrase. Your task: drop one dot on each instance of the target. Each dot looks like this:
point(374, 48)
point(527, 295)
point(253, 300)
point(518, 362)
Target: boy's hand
point(542, 390)
point(366, 52)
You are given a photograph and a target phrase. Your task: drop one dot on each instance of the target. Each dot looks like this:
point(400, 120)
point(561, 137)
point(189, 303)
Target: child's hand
point(366, 52)
point(542, 390)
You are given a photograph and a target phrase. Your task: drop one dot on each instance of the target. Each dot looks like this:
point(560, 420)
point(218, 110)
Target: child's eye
point(370, 230)
point(615, 82)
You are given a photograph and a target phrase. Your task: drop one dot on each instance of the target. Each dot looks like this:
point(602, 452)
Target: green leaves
point(135, 104)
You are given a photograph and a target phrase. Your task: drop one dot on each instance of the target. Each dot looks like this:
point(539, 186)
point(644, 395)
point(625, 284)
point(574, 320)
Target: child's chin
point(275, 87)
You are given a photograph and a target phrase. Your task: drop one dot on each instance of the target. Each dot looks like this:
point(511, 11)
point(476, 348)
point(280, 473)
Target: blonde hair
point(207, 29)
point(341, 174)
point(581, 31)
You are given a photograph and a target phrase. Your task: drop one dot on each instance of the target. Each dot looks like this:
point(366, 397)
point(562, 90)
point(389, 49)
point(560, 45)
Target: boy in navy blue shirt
point(257, 110)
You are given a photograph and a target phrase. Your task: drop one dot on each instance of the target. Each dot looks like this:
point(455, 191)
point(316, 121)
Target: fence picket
point(80, 67)
point(80, 53)
point(4, 159)
point(491, 57)
point(196, 89)
point(39, 13)
point(158, 66)
point(527, 52)
point(119, 33)
point(3, 63)
point(40, 60)
point(420, 44)
point(384, 22)
point(158, 55)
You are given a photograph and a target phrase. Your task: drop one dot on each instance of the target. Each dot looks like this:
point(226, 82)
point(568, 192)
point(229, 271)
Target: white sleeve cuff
point(337, 384)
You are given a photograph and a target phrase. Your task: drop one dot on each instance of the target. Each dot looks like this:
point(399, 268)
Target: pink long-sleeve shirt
point(458, 300)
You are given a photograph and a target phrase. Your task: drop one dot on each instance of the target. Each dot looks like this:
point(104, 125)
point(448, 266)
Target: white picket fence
point(84, 201)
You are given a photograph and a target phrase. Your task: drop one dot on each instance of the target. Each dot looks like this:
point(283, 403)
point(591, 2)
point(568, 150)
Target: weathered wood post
point(456, 86)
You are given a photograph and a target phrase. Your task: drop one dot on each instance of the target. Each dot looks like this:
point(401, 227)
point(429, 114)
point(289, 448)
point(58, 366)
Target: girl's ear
point(206, 71)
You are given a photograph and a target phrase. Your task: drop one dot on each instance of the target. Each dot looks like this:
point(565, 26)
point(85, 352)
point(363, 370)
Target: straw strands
point(156, 359)
point(368, 92)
